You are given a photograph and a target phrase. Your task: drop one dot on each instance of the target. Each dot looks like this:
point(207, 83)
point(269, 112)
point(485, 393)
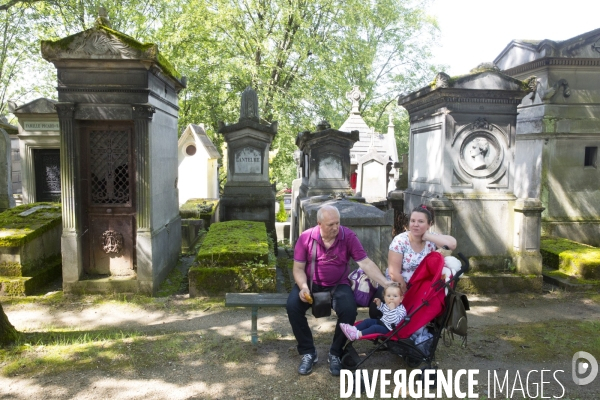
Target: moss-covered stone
point(217, 281)
point(27, 285)
point(203, 209)
point(9, 268)
point(571, 258)
point(147, 50)
point(234, 243)
point(16, 230)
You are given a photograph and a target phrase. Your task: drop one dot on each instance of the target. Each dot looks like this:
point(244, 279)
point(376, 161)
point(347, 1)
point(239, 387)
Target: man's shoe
point(335, 364)
point(306, 364)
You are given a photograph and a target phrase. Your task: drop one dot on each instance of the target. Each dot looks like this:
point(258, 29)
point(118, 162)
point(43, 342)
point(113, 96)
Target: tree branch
point(6, 6)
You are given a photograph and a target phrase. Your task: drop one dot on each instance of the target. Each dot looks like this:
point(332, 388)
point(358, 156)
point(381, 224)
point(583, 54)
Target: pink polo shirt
point(331, 264)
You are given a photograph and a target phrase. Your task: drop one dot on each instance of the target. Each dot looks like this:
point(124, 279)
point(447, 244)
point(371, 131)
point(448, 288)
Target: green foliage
point(233, 243)
point(301, 57)
point(282, 215)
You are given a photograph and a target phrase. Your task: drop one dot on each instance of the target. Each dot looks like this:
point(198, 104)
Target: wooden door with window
point(108, 197)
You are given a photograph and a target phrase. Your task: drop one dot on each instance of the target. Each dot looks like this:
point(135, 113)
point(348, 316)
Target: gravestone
point(372, 181)
point(6, 198)
point(39, 142)
point(325, 160)
point(462, 163)
point(117, 109)
point(325, 170)
point(248, 193)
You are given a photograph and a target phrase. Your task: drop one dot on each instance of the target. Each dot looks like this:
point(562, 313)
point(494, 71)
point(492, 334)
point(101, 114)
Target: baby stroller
point(427, 302)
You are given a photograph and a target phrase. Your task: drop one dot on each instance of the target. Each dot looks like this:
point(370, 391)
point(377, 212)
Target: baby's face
point(393, 296)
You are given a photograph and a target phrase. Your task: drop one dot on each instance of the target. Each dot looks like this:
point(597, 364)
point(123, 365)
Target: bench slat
point(255, 299)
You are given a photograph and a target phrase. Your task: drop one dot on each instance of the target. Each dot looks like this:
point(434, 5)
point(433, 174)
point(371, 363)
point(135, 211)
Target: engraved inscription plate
point(330, 167)
point(41, 126)
point(248, 161)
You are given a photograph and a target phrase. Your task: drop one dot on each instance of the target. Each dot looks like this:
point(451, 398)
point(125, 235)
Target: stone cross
point(355, 95)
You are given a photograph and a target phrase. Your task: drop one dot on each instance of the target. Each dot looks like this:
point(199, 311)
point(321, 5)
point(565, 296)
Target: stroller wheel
point(412, 362)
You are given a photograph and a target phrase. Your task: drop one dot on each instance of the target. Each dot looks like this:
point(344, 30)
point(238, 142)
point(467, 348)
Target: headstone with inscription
point(248, 193)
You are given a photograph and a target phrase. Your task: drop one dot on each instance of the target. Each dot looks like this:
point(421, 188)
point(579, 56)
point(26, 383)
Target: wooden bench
point(255, 300)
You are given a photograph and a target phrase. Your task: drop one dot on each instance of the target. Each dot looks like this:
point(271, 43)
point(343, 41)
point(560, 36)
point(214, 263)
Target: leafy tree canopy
point(301, 56)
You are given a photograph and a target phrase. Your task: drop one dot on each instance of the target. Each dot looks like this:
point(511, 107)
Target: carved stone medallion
point(112, 242)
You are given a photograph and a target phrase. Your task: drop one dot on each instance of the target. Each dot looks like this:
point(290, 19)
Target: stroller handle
point(464, 269)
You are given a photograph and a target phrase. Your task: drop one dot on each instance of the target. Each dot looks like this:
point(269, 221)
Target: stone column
point(6, 197)
point(528, 220)
point(142, 115)
point(72, 262)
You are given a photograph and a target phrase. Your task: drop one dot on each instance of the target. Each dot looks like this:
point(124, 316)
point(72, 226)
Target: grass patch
point(120, 351)
point(550, 340)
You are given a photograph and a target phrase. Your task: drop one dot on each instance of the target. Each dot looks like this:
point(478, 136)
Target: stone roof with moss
point(103, 42)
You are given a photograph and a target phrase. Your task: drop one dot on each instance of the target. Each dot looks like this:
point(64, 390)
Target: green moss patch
point(234, 243)
point(235, 256)
point(199, 209)
point(218, 281)
point(16, 230)
point(147, 50)
point(25, 286)
point(571, 258)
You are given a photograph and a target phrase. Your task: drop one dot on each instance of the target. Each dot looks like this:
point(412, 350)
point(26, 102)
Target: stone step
point(569, 283)
point(27, 285)
point(129, 284)
point(490, 283)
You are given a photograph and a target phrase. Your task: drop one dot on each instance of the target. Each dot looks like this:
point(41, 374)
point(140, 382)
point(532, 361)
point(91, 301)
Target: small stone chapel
point(117, 109)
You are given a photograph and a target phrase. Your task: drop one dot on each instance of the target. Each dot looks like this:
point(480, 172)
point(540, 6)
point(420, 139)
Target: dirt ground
point(268, 370)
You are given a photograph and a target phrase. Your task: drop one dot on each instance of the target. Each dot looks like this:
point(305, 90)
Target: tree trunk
point(8, 333)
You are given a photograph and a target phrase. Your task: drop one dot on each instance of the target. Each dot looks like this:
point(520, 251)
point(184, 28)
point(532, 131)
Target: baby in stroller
point(393, 313)
point(415, 337)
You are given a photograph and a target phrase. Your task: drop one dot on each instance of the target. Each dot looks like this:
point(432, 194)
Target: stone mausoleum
point(558, 132)
point(117, 109)
point(463, 162)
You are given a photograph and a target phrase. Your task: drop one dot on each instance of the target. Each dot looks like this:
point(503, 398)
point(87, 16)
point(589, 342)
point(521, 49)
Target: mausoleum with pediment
point(558, 131)
point(117, 110)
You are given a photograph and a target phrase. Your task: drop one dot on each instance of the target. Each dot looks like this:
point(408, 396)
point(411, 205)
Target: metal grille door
point(108, 190)
point(109, 167)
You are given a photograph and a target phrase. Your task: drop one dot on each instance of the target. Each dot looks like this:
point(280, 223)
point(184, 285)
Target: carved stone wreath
point(112, 242)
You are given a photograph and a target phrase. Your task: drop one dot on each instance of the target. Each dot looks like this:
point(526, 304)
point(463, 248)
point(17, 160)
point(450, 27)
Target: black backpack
point(456, 319)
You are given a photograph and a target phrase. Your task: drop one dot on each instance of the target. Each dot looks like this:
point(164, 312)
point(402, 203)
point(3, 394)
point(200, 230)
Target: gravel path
point(268, 371)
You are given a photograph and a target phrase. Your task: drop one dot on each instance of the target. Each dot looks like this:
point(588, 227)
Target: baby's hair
point(391, 285)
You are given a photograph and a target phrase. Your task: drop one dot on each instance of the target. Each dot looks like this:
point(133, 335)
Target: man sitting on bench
point(335, 245)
